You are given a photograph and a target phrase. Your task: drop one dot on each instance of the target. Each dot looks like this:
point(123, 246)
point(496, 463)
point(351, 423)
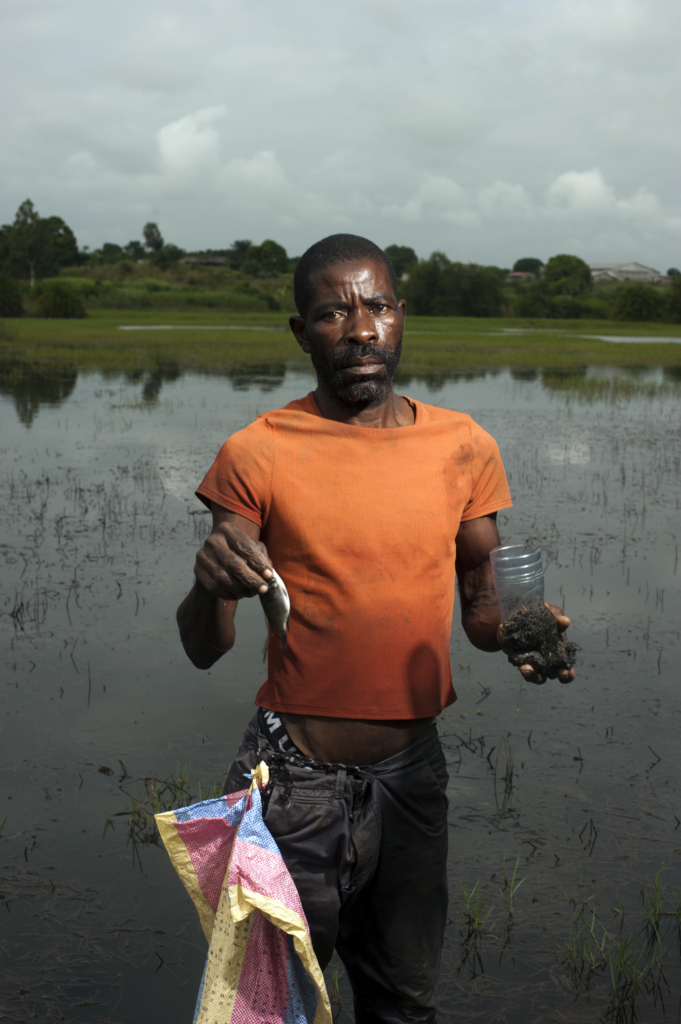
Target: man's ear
point(297, 325)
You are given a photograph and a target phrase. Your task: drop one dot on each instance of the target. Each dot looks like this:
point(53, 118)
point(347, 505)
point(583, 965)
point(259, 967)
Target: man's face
point(353, 332)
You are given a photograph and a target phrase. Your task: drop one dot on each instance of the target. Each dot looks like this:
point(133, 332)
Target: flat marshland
point(211, 341)
point(565, 863)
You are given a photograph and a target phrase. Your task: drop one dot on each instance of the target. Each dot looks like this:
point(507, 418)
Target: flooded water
point(576, 785)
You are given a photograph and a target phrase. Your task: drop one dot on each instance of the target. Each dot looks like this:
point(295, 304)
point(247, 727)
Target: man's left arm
point(480, 611)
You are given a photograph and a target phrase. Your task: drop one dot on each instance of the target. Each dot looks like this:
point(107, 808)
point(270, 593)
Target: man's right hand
point(231, 565)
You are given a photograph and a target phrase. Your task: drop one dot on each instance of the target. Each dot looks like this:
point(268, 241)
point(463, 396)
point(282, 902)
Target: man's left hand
point(533, 675)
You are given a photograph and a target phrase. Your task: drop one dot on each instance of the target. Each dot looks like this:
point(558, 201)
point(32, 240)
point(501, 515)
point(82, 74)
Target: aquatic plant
point(154, 795)
point(476, 913)
point(511, 885)
point(631, 957)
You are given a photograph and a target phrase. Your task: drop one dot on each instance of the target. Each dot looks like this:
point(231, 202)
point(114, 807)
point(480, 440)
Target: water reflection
point(32, 385)
point(153, 380)
point(436, 380)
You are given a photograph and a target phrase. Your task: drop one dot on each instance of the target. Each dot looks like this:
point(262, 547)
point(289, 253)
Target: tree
point(153, 239)
point(673, 272)
point(672, 303)
point(237, 252)
point(528, 265)
point(134, 250)
point(62, 247)
point(5, 234)
point(268, 259)
point(273, 258)
point(111, 252)
point(167, 255)
point(402, 258)
point(567, 275)
point(28, 240)
point(438, 287)
point(638, 302)
point(35, 246)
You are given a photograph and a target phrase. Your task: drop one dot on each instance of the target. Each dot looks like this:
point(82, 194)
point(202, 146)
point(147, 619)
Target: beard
point(341, 384)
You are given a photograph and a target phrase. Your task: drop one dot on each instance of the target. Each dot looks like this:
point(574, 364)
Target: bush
point(437, 287)
point(58, 301)
point(672, 305)
point(534, 301)
point(10, 298)
point(167, 256)
point(638, 302)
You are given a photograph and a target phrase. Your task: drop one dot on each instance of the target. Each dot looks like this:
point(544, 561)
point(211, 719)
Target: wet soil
point(533, 634)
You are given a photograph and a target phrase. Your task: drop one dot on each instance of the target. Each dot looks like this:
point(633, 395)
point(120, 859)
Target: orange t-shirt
point(361, 523)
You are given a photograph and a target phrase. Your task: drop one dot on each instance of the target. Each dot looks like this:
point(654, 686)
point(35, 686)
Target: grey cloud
point(490, 130)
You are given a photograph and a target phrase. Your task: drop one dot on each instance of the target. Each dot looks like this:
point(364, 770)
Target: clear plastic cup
point(518, 574)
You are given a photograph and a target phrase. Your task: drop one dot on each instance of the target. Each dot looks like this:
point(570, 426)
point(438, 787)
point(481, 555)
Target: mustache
point(341, 360)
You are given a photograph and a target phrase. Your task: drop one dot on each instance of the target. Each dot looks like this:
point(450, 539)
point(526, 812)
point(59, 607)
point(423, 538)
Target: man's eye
point(380, 308)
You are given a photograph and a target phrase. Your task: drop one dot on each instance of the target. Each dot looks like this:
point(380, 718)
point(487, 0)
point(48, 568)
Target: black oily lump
point(533, 636)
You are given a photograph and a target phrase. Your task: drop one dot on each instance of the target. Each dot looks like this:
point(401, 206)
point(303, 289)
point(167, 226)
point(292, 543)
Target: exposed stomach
point(352, 740)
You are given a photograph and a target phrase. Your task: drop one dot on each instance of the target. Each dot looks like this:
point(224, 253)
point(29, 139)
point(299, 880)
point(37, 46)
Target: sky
point(486, 129)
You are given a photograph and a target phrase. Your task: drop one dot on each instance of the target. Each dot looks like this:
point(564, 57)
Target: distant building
point(625, 272)
point(205, 260)
point(516, 276)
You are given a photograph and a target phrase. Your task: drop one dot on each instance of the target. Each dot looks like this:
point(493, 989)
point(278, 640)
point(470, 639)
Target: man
point(366, 502)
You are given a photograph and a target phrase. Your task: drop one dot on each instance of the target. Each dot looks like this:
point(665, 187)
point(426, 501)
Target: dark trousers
point(367, 850)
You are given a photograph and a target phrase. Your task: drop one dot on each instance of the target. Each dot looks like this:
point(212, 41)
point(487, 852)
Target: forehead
point(363, 277)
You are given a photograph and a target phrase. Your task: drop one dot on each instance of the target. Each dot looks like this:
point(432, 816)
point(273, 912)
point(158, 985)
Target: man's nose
point(360, 327)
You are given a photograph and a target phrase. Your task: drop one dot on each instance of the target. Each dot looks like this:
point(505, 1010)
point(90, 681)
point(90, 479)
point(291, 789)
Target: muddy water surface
point(578, 785)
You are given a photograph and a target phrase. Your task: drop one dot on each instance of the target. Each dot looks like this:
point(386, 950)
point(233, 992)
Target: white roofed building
point(625, 272)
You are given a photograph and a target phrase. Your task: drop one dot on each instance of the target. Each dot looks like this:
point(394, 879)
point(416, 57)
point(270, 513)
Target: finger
point(225, 574)
point(238, 555)
point(562, 620)
point(531, 674)
point(251, 551)
point(261, 547)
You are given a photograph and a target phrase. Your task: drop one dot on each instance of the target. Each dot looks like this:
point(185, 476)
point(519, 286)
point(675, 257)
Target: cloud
point(586, 194)
point(582, 192)
point(487, 130)
point(191, 146)
point(573, 197)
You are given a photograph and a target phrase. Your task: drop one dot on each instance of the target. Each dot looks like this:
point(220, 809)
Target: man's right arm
point(231, 564)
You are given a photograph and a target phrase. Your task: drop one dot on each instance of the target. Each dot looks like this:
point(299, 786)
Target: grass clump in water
point(153, 796)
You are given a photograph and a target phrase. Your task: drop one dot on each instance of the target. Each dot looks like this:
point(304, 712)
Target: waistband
point(426, 745)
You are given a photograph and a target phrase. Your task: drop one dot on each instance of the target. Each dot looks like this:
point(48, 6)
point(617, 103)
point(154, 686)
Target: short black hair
point(328, 253)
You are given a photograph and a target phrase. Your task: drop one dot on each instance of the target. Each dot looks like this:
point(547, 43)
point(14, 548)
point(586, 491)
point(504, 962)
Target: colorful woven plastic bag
point(261, 968)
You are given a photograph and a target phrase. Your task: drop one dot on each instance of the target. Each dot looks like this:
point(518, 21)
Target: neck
point(393, 411)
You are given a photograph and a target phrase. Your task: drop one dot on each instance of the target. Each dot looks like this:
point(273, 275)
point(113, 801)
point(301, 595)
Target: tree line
point(35, 247)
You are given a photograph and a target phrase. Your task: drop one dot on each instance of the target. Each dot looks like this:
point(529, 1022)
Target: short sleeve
point(489, 486)
point(240, 479)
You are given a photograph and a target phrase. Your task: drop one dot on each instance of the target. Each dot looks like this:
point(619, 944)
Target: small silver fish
point(277, 607)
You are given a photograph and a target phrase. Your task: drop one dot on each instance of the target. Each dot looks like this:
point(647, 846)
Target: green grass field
point(204, 340)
